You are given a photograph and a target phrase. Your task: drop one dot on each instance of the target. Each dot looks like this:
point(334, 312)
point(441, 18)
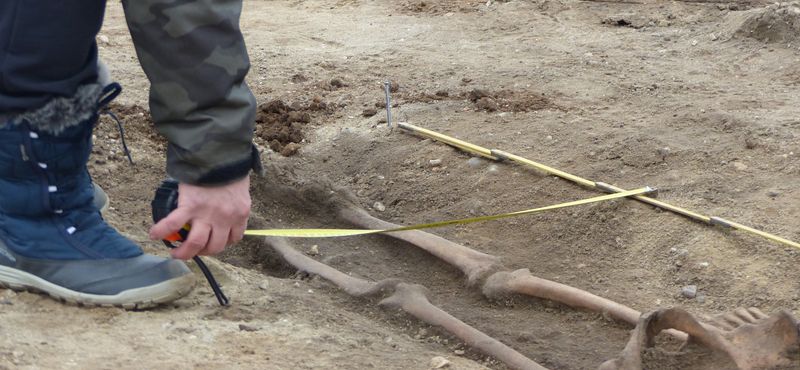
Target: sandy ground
point(697, 99)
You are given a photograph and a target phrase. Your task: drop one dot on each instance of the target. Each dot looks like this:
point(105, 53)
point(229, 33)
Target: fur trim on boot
point(63, 112)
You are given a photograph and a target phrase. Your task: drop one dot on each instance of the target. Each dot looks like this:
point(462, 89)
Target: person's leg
point(52, 236)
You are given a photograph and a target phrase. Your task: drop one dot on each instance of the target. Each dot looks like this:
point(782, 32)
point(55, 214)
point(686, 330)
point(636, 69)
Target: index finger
point(194, 244)
point(170, 224)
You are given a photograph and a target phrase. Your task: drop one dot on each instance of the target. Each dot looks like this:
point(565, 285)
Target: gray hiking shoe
point(132, 283)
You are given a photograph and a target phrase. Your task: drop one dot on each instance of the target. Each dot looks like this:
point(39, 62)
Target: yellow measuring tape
point(327, 233)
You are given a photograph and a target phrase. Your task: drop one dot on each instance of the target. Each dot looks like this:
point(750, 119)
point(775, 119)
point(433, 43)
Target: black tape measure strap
point(223, 300)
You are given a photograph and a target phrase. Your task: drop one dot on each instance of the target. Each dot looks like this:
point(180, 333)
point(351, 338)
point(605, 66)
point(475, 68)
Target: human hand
point(218, 216)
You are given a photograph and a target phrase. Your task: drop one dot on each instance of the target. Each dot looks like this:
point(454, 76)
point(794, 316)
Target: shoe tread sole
point(132, 299)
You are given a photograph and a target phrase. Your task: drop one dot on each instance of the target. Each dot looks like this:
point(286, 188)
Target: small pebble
point(439, 362)
point(208, 338)
point(245, 327)
point(473, 161)
point(186, 330)
point(704, 264)
point(458, 352)
point(739, 166)
point(378, 206)
point(773, 193)
point(701, 298)
point(435, 162)
point(264, 285)
point(311, 291)
point(314, 250)
point(335, 82)
point(267, 298)
point(689, 291)
point(166, 326)
point(290, 149)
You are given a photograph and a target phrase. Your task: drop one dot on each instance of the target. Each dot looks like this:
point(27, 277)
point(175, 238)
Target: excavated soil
point(697, 99)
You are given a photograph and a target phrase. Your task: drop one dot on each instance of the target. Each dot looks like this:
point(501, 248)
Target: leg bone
point(352, 286)
point(410, 298)
point(414, 300)
point(475, 265)
point(480, 266)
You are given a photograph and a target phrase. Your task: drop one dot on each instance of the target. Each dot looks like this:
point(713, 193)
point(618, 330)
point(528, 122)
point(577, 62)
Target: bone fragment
point(758, 343)
point(631, 356)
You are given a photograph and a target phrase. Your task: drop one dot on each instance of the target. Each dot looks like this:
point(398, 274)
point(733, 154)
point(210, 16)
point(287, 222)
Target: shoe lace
point(110, 92)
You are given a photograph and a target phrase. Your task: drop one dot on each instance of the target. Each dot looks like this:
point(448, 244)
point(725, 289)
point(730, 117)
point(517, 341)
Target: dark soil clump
point(280, 125)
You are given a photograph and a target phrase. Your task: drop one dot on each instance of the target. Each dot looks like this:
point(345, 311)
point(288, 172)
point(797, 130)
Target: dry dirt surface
point(699, 100)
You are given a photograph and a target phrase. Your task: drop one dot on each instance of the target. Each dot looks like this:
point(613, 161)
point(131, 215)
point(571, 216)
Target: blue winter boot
point(52, 236)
